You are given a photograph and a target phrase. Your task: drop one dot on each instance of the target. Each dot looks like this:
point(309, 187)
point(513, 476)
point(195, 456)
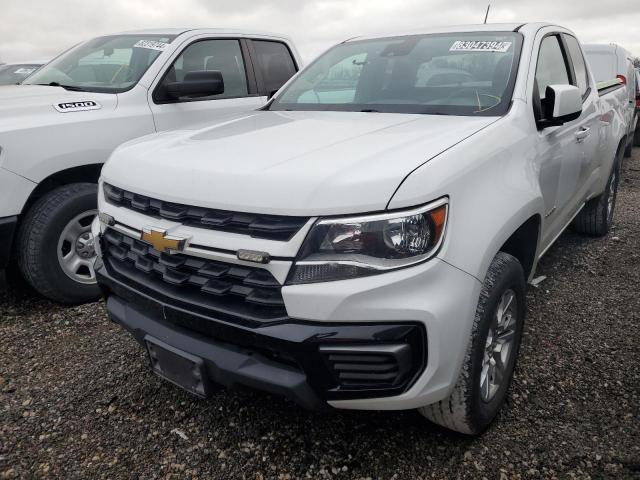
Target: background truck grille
point(368, 366)
point(229, 291)
point(271, 227)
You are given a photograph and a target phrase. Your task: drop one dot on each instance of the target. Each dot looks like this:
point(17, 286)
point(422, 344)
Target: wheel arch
point(81, 174)
point(523, 244)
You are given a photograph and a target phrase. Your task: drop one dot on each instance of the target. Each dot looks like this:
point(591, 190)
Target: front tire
point(490, 359)
point(55, 246)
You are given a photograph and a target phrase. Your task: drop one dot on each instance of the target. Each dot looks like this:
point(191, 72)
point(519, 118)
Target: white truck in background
point(613, 70)
point(364, 241)
point(61, 124)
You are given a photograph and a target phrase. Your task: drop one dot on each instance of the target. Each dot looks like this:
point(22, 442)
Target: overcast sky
point(40, 29)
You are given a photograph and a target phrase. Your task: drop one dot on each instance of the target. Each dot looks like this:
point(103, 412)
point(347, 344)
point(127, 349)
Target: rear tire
point(628, 149)
point(488, 366)
point(596, 217)
point(55, 251)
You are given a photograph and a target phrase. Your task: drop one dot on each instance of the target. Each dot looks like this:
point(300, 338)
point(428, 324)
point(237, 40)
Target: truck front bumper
point(411, 326)
point(7, 231)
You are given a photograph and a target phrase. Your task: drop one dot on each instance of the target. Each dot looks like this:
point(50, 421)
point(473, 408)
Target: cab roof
point(221, 31)
point(481, 27)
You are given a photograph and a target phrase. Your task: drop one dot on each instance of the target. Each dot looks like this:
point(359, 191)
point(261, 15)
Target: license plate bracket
point(183, 369)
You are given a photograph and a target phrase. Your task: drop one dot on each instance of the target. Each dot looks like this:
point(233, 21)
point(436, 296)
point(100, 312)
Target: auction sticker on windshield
point(151, 45)
point(24, 71)
point(480, 46)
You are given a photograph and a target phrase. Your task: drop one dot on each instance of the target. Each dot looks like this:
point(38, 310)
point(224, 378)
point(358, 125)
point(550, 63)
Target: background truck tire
point(39, 241)
point(468, 410)
point(636, 136)
point(596, 217)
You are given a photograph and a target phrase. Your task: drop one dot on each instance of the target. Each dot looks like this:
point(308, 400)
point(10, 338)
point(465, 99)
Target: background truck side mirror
point(197, 84)
point(562, 104)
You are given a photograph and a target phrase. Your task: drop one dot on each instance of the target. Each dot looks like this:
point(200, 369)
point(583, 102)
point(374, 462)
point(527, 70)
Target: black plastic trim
point(7, 232)
point(291, 347)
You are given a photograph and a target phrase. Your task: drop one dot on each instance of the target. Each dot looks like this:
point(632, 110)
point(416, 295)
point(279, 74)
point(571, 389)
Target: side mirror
point(197, 84)
point(562, 104)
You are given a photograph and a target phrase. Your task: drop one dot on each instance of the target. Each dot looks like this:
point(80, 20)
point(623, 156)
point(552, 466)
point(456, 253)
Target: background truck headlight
point(350, 247)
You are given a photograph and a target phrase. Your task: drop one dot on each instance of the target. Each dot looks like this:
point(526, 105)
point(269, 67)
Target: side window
point(578, 64)
point(274, 63)
point(551, 68)
point(222, 55)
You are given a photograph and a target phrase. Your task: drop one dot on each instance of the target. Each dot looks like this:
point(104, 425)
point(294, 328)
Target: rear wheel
point(596, 217)
point(491, 354)
point(55, 246)
point(628, 150)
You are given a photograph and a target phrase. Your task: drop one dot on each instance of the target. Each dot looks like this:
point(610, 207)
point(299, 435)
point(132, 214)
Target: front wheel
point(55, 245)
point(491, 354)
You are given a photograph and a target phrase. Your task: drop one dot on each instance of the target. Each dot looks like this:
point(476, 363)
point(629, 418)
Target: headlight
point(342, 248)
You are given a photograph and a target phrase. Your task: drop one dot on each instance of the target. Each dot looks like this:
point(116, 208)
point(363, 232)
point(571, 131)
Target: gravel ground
point(77, 399)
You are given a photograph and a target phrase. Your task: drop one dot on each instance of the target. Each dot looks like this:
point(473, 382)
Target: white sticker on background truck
point(151, 45)
point(77, 106)
point(480, 46)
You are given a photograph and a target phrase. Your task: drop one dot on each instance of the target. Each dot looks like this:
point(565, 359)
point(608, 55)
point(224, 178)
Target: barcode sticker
point(151, 45)
point(480, 46)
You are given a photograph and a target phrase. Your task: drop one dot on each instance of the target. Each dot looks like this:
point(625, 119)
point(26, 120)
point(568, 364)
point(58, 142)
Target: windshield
point(12, 74)
point(447, 74)
point(110, 64)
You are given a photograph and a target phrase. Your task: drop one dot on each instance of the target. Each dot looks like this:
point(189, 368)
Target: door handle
point(582, 134)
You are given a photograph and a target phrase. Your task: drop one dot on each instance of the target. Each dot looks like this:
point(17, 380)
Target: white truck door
point(560, 153)
point(575, 175)
point(230, 57)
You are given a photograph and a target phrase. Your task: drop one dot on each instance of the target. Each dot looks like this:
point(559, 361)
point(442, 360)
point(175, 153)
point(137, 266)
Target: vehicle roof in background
point(180, 31)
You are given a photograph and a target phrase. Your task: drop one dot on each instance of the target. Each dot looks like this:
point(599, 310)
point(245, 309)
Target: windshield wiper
point(71, 88)
point(369, 110)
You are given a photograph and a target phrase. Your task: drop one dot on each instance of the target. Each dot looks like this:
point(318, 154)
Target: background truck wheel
point(628, 149)
point(55, 245)
point(636, 136)
point(596, 217)
point(488, 365)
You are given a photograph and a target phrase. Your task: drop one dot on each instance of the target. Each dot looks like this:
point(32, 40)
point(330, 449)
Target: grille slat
point(250, 290)
point(272, 227)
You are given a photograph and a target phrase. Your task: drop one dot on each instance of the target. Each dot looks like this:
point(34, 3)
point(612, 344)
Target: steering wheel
point(127, 69)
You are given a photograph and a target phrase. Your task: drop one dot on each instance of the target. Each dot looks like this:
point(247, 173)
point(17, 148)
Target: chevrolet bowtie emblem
point(162, 242)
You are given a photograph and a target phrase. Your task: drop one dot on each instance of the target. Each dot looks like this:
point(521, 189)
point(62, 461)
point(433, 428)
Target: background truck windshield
point(109, 64)
point(450, 74)
point(15, 73)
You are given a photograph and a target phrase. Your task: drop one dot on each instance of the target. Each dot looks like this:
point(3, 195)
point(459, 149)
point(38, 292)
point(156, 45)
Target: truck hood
point(29, 105)
point(288, 163)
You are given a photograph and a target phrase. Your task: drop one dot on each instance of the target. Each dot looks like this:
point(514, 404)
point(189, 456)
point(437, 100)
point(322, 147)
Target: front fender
point(492, 181)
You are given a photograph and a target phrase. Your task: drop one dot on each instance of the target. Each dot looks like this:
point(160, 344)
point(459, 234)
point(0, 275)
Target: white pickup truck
point(613, 70)
point(63, 122)
point(365, 240)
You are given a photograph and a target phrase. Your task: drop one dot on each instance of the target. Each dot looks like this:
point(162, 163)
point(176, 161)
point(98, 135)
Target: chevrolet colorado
point(365, 240)
point(61, 124)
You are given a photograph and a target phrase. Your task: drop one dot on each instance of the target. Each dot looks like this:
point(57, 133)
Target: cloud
point(40, 29)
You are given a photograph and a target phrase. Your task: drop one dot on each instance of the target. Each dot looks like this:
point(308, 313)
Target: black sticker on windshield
point(480, 46)
point(77, 106)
